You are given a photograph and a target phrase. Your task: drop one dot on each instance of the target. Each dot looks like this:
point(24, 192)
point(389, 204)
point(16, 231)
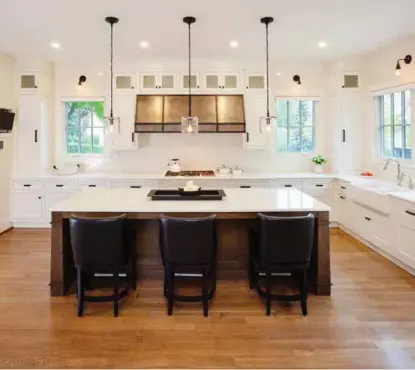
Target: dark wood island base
point(232, 230)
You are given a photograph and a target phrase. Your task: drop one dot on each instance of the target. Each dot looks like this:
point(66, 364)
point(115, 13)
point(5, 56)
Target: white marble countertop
point(237, 200)
point(408, 196)
point(161, 176)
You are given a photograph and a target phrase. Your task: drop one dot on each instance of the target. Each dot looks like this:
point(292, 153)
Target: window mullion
point(288, 125)
point(393, 124)
point(301, 128)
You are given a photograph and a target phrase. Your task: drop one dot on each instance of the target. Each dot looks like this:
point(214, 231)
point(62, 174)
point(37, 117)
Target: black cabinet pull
point(245, 186)
point(135, 187)
point(410, 213)
point(27, 185)
point(368, 219)
point(319, 185)
point(247, 137)
point(343, 187)
point(343, 135)
point(342, 197)
point(59, 186)
point(288, 186)
point(92, 186)
point(132, 137)
point(35, 136)
point(39, 198)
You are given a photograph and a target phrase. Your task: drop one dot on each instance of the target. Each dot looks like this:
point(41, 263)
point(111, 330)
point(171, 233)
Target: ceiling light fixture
point(55, 45)
point(144, 44)
point(407, 60)
point(279, 74)
point(322, 44)
point(234, 44)
point(111, 120)
point(190, 124)
point(297, 79)
point(267, 121)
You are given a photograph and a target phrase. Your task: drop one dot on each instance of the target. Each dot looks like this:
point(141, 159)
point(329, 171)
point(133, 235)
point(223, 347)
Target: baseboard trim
point(5, 225)
point(363, 243)
point(31, 225)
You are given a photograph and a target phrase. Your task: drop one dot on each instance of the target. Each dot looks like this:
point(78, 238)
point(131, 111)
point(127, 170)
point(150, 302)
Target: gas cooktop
point(191, 173)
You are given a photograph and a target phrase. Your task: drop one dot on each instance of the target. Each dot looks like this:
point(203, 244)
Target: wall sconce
point(82, 79)
point(407, 60)
point(297, 80)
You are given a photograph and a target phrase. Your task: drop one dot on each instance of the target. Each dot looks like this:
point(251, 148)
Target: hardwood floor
point(369, 321)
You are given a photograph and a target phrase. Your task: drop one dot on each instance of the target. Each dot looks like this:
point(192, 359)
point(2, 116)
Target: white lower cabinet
point(53, 199)
point(27, 206)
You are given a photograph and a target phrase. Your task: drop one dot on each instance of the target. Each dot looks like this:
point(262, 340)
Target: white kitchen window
point(84, 127)
point(395, 129)
point(295, 125)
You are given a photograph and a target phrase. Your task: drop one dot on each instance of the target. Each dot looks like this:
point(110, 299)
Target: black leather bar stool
point(188, 246)
point(103, 245)
point(281, 245)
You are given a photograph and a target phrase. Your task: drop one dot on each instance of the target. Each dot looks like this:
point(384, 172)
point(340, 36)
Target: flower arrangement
point(319, 160)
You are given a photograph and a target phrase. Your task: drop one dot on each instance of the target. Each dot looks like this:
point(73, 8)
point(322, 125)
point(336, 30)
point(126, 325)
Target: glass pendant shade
point(267, 123)
point(190, 125)
point(111, 122)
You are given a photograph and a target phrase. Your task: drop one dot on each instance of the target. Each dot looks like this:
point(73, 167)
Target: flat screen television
point(6, 120)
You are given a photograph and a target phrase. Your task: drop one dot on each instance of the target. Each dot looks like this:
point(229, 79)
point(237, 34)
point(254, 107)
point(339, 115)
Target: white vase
point(318, 168)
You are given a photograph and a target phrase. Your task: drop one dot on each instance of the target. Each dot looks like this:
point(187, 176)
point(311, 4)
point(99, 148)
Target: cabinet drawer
point(27, 185)
point(60, 185)
point(180, 183)
point(287, 184)
point(317, 185)
point(342, 185)
point(245, 184)
point(134, 184)
point(93, 184)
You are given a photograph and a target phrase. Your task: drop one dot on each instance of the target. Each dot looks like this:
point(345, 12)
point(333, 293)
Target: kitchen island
point(236, 214)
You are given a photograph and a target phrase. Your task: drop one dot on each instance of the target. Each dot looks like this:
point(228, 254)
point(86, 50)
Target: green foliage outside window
point(84, 123)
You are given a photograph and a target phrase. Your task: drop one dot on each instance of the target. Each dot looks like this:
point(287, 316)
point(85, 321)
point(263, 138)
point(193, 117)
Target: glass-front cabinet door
point(125, 83)
point(255, 81)
point(148, 82)
point(220, 82)
point(167, 82)
point(194, 81)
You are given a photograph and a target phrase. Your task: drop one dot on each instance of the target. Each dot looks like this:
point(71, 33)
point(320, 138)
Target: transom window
point(84, 127)
point(295, 125)
point(395, 125)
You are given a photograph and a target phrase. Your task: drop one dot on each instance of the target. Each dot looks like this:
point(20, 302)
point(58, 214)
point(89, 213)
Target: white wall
point(7, 100)
point(204, 150)
point(380, 76)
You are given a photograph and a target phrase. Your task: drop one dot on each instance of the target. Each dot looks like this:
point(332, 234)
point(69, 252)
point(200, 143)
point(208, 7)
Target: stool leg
point(205, 293)
point(115, 293)
point(304, 292)
point(80, 292)
point(170, 290)
point(251, 272)
point(268, 294)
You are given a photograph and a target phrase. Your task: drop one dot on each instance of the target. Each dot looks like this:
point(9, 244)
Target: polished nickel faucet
point(400, 175)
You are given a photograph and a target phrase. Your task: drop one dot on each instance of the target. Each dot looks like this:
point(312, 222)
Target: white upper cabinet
point(194, 81)
point(255, 81)
point(125, 83)
point(255, 108)
point(158, 82)
point(29, 82)
point(221, 82)
point(123, 137)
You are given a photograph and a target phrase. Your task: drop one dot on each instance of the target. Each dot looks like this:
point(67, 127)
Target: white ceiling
point(348, 26)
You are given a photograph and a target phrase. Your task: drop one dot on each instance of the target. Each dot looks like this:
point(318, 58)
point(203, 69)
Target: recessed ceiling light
point(100, 74)
point(279, 74)
point(322, 44)
point(144, 44)
point(55, 45)
point(234, 44)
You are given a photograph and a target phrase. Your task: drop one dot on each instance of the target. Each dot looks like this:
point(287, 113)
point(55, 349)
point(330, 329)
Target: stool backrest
point(188, 241)
point(285, 240)
point(98, 241)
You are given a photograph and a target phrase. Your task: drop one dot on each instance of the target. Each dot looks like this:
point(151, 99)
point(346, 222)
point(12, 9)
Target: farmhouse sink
point(374, 194)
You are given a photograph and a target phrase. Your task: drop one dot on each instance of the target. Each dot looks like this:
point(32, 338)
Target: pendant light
point(111, 120)
point(190, 124)
point(267, 121)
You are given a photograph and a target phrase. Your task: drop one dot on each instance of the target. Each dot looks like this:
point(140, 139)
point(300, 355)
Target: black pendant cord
point(267, 53)
point(112, 71)
point(190, 74)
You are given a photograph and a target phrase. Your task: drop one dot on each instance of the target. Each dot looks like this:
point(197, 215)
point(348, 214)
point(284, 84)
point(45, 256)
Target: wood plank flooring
point(368, 322)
